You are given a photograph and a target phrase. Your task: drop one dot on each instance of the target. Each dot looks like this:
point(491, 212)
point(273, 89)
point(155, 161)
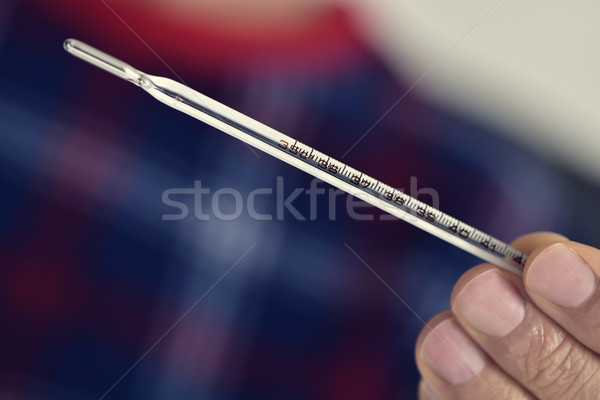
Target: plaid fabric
point(101, 295)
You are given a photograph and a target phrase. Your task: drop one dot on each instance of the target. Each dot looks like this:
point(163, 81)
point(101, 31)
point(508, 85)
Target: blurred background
point(102, 297)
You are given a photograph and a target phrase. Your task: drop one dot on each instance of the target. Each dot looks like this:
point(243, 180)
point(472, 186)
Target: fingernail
point(452, 354)
point(561, 276)
point(491, 304)
point(426, 393)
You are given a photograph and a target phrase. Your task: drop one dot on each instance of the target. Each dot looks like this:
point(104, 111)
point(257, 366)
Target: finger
point(454, 366)
point(426, 392)
point(528, 243)
point(562, 279)
point(493, 308)
point(557, 286)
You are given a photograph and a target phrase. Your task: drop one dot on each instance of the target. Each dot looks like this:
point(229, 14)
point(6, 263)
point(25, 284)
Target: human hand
point(507, 337)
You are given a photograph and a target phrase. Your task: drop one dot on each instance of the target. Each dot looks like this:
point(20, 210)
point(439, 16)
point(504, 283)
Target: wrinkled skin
point(511, 337)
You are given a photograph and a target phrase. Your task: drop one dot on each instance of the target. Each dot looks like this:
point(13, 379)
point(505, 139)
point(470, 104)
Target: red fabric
point(320, 45)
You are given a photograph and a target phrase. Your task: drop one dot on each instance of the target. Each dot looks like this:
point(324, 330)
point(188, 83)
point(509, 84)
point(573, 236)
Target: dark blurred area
point(101, 297)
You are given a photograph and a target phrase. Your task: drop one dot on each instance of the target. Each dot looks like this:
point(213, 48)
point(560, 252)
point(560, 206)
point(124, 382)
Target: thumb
point(562, 279)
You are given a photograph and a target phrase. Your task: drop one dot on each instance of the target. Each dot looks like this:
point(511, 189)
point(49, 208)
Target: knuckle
point(588, 382)
point(558, 366)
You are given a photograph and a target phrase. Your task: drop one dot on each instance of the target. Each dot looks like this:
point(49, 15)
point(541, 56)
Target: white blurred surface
point(532, 68)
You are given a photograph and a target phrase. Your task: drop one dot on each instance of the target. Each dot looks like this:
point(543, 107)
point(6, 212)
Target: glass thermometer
point(301, 156)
